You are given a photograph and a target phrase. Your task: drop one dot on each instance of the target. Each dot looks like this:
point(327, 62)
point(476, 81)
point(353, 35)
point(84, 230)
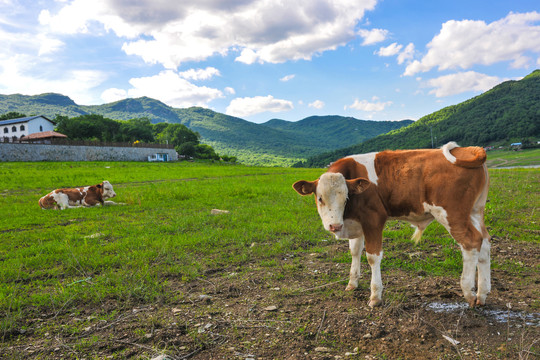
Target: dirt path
point(298, 309)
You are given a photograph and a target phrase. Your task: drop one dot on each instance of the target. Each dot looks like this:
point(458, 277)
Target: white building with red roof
point(28, 128)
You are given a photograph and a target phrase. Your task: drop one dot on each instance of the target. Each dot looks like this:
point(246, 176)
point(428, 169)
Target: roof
point(44, 135)
point(24, 119)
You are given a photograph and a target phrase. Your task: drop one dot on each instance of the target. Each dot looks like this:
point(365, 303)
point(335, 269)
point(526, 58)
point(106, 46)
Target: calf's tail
point(467, 157)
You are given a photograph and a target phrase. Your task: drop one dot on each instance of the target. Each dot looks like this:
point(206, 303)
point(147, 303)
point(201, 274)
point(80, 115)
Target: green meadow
point(57, 261)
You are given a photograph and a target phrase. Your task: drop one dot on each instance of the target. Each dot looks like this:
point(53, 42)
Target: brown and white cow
point(76, 197)
point(359, 193)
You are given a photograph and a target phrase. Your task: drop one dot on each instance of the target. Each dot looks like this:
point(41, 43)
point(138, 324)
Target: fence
point(62, 141)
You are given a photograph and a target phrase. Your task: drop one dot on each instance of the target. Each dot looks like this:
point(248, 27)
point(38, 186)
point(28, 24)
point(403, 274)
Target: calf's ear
point(358, 185)
point(304, 187)
point(98, 186)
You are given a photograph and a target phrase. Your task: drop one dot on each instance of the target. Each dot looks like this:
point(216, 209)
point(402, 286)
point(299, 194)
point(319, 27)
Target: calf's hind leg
point(475, 252)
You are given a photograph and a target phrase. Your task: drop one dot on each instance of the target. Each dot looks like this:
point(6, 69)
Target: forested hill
point(334, 131)
point(276, 142)
point(510, 112)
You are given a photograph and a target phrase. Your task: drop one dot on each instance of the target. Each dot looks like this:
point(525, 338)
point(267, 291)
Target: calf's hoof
point(472, 302)
point(481, 301)
point(351, 287)
point(375, 302)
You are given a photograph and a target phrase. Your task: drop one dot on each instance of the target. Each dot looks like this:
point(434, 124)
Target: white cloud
point(160, 31)
point(317, 104)
point(462, 44)
point(243, 107)
point(287, 78)
point(169, 87)
point(406, 54)
point(395, 49)
point(200, 74)
point(113, 94)
point(373, 36)
point(229, 90)
point(462, 82)
point(372, 106)
point(390, 50)
point(18, 75)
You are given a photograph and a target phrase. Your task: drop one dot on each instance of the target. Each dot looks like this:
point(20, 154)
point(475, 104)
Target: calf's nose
point(335, 227)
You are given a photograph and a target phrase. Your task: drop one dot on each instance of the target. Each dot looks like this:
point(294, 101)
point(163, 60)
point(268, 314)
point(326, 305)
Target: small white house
point(14, 129)
point(158, 157)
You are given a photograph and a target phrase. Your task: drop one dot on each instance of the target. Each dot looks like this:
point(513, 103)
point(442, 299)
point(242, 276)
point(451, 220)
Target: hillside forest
point(510, 112)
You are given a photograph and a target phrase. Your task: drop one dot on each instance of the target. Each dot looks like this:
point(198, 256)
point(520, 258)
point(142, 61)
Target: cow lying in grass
point(359, 193)
point(86, 196)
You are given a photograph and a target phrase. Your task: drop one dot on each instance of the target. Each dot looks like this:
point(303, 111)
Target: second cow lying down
point(359, 193)
point(76, 197)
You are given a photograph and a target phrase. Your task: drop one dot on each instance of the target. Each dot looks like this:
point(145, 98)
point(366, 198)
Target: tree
point(11, 115)
point(204, 151)
point(90, 126)
point(187, 149)
point(136, 129)
point(176, 134)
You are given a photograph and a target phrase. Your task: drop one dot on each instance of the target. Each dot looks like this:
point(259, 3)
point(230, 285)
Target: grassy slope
point(53, 260)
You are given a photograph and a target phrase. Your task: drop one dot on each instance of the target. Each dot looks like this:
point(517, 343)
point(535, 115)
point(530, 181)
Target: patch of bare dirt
point(298, 309)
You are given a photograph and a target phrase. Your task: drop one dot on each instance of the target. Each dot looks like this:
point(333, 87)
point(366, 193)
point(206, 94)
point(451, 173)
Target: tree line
point(96, 127)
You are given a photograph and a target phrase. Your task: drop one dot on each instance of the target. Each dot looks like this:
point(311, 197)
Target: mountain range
point(509, 112)
point(274, 143)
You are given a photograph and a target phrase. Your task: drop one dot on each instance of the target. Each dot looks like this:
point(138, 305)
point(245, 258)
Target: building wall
point(30, 127)
point(40, 152)
point(10, 133)
point(34, 125)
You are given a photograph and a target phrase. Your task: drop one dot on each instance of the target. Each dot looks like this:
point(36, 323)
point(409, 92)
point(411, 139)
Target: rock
point(271, 308)
point(218, 211)
point(160, 357)
point(205, 298)
point(367, 336)
point(93, 236)
point(322, 349)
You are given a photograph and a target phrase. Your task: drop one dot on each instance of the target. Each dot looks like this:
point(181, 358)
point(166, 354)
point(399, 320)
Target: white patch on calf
point(470, 261)
point(332, 194)
point(484, 275)
point(368, 160)
point(108, 191)
point(376, 279)
point(446, 151)
point(356, 247)
point(439, 213)
point(61, 200)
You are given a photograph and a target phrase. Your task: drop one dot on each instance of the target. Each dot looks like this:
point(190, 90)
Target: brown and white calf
point(76, 197)
point(359, 193)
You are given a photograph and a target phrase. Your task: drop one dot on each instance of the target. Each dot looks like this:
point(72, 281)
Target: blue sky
point(264, 59)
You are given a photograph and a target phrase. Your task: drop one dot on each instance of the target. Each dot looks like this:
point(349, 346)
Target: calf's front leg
point(356, 246)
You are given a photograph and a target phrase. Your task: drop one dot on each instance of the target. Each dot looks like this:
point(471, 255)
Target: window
point(14, 129)
point(21, 128)
point(6, 130)
point(40, 127)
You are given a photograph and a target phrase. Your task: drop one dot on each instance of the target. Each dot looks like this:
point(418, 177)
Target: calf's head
point(107, 190)
point(332, 192)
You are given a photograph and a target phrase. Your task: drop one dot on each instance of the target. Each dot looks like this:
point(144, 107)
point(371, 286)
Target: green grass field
point(509, 158)
point(61, 260)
